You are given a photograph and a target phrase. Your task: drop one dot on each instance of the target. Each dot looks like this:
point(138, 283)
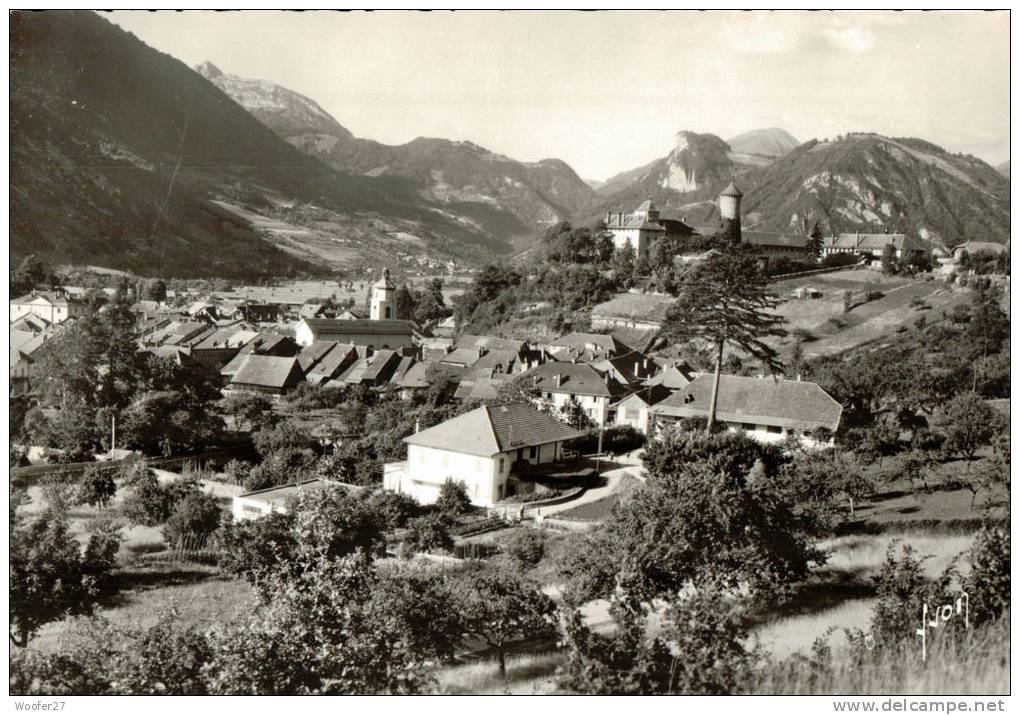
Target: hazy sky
point(607, 91)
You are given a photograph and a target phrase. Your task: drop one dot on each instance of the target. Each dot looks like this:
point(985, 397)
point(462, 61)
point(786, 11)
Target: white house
point(49, 305)
point(634, 410)
point(764, 408)
point(479, 449)
point(640, 230)
point(562, 384)
point(872, 244)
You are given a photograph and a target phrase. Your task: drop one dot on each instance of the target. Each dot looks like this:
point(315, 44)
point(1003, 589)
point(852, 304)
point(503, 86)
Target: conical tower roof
point(731, 190)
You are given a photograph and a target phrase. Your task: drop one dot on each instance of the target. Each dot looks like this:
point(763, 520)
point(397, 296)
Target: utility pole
point(113, 432)
point(598, 457)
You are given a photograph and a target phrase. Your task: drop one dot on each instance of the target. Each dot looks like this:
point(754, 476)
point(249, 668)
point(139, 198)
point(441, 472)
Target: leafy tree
point(318, 632)
point(725, 300)
point(712, 512)
point(393, 510)
point(624, 264)
point(259, 548)
point(168, 423)
point(988, 584)
point(51, 576)
point(283, 436)
point(97, 487)
point(499, 606)
point(701, 650)
point(988, 326)
point(526, 547)
point(968, 423)
point(194, 519)
point(453, 499)
point(154, 289)
point(250, 408)
point(429, 533)
point(405, 303)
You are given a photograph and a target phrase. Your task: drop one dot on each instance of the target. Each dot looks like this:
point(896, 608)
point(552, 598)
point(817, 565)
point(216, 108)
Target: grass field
point(834, 331)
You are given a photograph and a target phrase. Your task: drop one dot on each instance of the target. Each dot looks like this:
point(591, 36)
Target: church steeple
point(384, 298)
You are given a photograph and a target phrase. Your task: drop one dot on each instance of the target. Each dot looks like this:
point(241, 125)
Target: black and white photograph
point(524, 352)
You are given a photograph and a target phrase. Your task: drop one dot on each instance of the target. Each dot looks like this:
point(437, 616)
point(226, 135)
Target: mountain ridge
point(455, 173)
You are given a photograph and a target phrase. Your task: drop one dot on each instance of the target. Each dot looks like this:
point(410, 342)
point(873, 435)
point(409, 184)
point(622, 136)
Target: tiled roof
point(492, 429)
point(334, 363)
point(872, 241)
point(310, 355)
point(766, 238)
point(323, 328)
point(418, 375)
point(503, 359)
point(756, 400)
point(460, 356)
point(652, 395)
point(489, 342)
point(232, 337)
point(575, 379)
point(629, 367)
point(589, 341)
point(268, 371)
point(278, 496)
point(731, 190)
point(981, 247)
point(673, 377)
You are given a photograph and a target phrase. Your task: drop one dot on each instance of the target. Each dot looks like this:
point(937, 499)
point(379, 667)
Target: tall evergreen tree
point(725, 300)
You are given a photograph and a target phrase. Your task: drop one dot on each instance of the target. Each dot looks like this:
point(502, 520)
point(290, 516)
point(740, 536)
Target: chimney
point(607, 379)
point(558, 379)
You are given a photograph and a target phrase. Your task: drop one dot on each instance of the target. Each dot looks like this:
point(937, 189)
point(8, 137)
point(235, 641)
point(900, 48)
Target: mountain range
point(507, 198)
point(123, 156)
point(857, 182)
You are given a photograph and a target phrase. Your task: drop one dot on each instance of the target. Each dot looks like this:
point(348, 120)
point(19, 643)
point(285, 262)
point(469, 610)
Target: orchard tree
point(714, 511)
point(51, 575)
point(725, 301)
point(499, 606)
point(968, 423)
point(194, 519)
point(429, 533)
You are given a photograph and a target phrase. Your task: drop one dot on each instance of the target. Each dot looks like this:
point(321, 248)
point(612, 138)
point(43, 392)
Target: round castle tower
point(729, 209)
point(384, 298)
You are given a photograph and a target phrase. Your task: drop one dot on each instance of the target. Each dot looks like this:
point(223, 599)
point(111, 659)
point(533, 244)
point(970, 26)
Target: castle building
point(383, 304)
point(643, 228)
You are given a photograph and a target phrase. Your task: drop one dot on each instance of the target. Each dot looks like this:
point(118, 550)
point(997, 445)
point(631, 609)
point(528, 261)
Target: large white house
point(479, 449)
point(764, 408)
point(49, 305)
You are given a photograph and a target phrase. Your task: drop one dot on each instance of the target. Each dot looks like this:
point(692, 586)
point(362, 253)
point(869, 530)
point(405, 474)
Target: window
point(500, 465)
point(747, 427)
point(772, 429)
point(387, 312)
point(533, 452)
point(499, 490)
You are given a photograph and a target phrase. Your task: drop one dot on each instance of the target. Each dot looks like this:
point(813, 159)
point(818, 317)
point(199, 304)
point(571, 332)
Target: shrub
point(988, 585)
point(526, 547)
point(429, 533)
point(97, 487)
point(236, 471)
point(194, 518)
point(453, 499)
point(151, 504)
point(873, 295)
point(622, 438)
point(394, 510)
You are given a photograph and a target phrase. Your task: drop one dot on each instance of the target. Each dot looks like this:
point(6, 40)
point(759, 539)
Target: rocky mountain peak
point(208, 70)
